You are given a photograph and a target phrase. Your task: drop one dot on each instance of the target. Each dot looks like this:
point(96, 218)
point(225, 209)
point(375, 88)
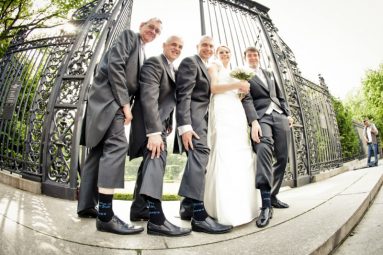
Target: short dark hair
point(250, 49)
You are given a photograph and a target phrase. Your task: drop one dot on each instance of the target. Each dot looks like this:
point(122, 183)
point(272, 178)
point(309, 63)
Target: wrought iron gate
point(43, 86)
point(315, 137)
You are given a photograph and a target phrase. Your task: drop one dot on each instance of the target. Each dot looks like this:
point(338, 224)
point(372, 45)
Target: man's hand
point(127, 113)
point(291, 121)
point(187, 138)
point(256, 131)
point(155, 145)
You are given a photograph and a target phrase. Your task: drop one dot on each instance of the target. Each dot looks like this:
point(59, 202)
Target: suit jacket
point(156, 101)
point(193, 92)
point(114, 85)
point(260, 97)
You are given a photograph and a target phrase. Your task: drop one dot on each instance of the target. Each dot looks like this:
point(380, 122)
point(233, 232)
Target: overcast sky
point(340, 39)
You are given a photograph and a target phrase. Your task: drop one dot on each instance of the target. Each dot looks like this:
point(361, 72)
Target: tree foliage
point(29, 15)
point(373, 93)
point(348, 136)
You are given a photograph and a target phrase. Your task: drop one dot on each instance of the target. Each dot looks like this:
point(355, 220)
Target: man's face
point(173, 48)
point(150, 30)
point(252, 58)
point(205, 49)
point(366, 123)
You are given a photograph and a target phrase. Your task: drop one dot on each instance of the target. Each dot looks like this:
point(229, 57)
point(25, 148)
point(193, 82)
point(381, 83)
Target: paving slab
point(321, 214)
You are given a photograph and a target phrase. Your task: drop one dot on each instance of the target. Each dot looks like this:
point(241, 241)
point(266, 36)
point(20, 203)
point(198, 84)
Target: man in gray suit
point(193, 96)
point(114, 87)
point(150, 127)
point(267, 112)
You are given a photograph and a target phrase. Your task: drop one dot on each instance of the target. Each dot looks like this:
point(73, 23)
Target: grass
point(129, 197)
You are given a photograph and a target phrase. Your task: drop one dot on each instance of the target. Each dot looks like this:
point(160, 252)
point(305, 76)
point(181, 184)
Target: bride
point(230, 193)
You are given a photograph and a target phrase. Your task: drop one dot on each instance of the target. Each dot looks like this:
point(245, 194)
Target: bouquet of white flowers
point(243, 74)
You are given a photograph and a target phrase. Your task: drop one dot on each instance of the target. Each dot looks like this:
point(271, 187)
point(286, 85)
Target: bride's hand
point(244, 86)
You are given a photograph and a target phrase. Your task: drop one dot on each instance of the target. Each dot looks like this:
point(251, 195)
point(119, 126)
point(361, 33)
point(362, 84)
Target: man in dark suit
point(270, 119)
point(193, 96)
point(150, 127)
point(114, 87)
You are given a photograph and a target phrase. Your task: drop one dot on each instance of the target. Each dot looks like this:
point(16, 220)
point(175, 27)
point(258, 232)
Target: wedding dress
point(230, 193)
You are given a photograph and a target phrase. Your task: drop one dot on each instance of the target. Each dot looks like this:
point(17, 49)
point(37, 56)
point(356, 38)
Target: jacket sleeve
point(185, 83)
point(118, 57)
point(150, 80)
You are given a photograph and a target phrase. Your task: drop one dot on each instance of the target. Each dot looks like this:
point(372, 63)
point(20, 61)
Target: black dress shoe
point(88, 213)
point(139, 217)
point(117, 226)
point(166, 229)
point(186, 209)
point(264, 217)
point(276, 203)
point(209, 226)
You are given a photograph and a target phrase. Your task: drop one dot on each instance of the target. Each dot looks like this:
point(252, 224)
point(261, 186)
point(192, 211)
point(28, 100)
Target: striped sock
point(266, 198)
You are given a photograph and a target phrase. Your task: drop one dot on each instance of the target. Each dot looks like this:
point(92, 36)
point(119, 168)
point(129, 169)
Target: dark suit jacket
point(114, 85)
point(193, 94)
point(155, 105)
point(260, 97)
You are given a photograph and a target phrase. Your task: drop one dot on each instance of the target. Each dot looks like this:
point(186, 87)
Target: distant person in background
point(369, 133)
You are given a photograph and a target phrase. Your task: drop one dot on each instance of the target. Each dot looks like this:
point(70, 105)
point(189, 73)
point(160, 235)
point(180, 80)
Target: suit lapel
point(167, 68)
point(203, 67)
point(259, 82)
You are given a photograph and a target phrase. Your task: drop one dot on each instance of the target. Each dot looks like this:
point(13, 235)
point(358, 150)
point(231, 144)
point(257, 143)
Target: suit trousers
point(193, 179)
point(105, 164)
point(153, 171)
point(275, 140)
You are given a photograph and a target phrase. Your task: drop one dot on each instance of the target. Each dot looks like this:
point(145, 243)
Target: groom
point(193, 96)
point(267, 111)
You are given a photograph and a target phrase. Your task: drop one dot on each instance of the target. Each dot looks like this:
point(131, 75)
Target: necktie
point(142, 54)
point(172, 71)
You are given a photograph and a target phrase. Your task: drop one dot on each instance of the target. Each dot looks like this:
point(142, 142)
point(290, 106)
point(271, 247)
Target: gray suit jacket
point(114, 85)
point(260, 97)
point(153, 111)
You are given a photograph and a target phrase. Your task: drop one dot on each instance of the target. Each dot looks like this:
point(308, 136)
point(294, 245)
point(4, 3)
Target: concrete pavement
point(320, 216)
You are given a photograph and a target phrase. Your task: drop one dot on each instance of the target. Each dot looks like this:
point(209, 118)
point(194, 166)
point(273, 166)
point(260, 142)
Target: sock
point(156, 215)
point(105, 210)
point(199, 212)
point(266, 198)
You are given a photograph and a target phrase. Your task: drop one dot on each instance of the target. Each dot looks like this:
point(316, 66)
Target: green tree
point(28, 15)
point(348, 136)
point(373, 93)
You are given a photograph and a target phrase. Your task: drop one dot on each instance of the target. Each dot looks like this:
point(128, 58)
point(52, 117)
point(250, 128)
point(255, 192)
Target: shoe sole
point(121, 233)
point(199, 229)
point(155, 233)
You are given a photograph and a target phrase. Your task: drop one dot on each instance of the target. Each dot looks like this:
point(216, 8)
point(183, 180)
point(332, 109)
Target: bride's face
point(223, 54)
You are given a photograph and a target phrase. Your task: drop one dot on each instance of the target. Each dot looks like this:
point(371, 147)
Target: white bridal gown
point(230, 194)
